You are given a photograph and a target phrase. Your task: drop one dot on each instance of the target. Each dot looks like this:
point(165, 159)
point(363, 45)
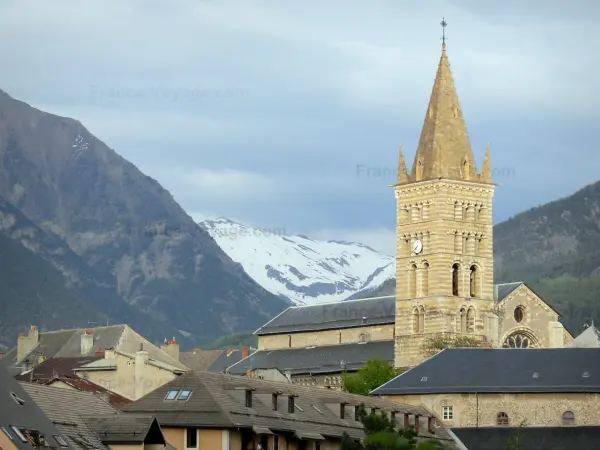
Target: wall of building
point(326, 337)
point(175, 437)
point(127, 447)
point(5, 442)
point(330, 381)
point(470, 410)
point(132, 379)
point(213, 439)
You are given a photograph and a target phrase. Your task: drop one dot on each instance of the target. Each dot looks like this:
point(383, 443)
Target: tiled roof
point(199, 359)
point(314, 360)
point(226, 359)
point(348, 314)
point(67, 409)
point(67, 343)
point(27, 415)
point(529, 438)
point(125, 428)
point(483, 370)
point(54, 367)
point(81, 384)
point(218, 400)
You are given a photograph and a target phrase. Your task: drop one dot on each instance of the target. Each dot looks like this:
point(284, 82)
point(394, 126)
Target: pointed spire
point(444, 148)
point(486, 171)
point(402, 172)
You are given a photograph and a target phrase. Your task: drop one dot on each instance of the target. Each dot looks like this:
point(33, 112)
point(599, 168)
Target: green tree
point(376, 372)
point(436, 344)
point(381, 434)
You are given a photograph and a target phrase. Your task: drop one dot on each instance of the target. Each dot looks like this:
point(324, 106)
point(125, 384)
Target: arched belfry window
point(470, 320)
point(463, 320)
point(473, 281)
point(425, 279)
point(412, 274)
point(421, 320)
point(455, 279)
point(502, 419)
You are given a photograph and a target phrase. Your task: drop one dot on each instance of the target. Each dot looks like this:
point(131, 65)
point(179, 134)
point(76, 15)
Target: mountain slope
point(555, 249)
point(301, 269)
point(124, 225)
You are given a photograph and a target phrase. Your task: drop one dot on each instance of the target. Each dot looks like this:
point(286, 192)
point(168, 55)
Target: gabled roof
point(67, 409)
point(589, 338)
point(218, 400)
point(27, 415)
point(529, 438)
point(483, 370)
point(127, 429)
point(503, 290)
point(314, 360)
point(54, 367)
point(327, 316)
point(199, 359)
point(67, 343)
point(81, 384)
point(227, 359)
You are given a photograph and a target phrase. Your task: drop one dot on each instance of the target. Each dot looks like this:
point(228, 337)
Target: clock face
point(417, 247)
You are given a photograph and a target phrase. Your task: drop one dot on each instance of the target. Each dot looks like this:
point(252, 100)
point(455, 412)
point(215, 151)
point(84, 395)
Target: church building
point(444, 271)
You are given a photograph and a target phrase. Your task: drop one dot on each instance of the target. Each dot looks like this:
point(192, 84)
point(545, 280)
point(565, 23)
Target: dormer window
point(17, 399)
point(274, 399)
point(248, 398)
point(291, 407)
point(585, 375)
point(61, 441)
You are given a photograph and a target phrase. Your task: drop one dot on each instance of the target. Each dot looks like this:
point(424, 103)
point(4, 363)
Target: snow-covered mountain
point(300, 269)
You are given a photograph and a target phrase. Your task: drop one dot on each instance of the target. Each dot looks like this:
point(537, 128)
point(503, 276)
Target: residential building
point(23, 424)
point(81, 384)
point(482, 387)
point(52, 368)
point(88, 422)
point(121, 360)
point(202, 410)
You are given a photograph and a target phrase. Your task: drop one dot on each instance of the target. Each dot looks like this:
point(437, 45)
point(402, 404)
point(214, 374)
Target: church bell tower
point(444, 259)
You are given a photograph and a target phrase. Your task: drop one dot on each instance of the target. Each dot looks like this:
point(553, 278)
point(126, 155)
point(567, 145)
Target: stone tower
point(444, 254)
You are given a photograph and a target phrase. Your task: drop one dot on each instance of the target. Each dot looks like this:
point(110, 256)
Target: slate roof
point(67, 409)
point(529, 438)
point(67, 343)
point(314, 360)
point(199, 359)
point(348, 314)
point(54, 367)
point(589, 338)
point(486, 370)
point(126, 429)
point(28, 415)
point(218, 401)
point(225, 360)
point(81, 384)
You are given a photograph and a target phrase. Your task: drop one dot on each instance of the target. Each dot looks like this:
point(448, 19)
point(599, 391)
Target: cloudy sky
point(288, 114)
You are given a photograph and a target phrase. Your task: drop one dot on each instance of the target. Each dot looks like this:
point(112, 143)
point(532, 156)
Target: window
point(248, 398)
point(463, 320)
point(171, 395)
point(16, 398)
point(184, 395)
point(191, 440)
point(447, 413)
point(19, 434)
point(425, 279)
point(519, 314)
point(317, 446)
point(275, 402)
point(502, 419)
point(455, 271)
point(413, 281)
point(423, 378)
point(568, 418)
point(473, 281)
point(290, 341)
point(471, 320)
point(60, 441)
point(276, 442)
point(291, 408)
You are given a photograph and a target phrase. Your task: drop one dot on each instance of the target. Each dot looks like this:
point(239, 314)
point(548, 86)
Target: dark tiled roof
point(218, 400)
point(67, 409)
point(199, 359)
point(28, 415)
point(348, 314)
point(470, 370)
point(327, 359)
point(529, 438)
point(225, 360)
point(327, 316)
point(125, 428)
point(81, 384)
point(54, 367)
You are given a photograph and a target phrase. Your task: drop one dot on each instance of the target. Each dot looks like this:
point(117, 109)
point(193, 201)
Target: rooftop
point(485, 370)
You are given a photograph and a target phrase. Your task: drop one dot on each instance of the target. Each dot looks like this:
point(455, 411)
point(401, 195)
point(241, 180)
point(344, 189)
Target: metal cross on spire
point(444, 24)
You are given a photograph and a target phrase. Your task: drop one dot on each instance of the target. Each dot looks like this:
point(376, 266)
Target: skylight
point(60, 441)
point(171, 395)
point(19, 434)
point(184, 395)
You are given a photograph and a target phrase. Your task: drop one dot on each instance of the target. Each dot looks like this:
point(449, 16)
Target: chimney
point(171, 348)
point(109, 353)
point(26, 343)
point(141, 358)
point(100, 352)
point(87, 342)
point(245, 352)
